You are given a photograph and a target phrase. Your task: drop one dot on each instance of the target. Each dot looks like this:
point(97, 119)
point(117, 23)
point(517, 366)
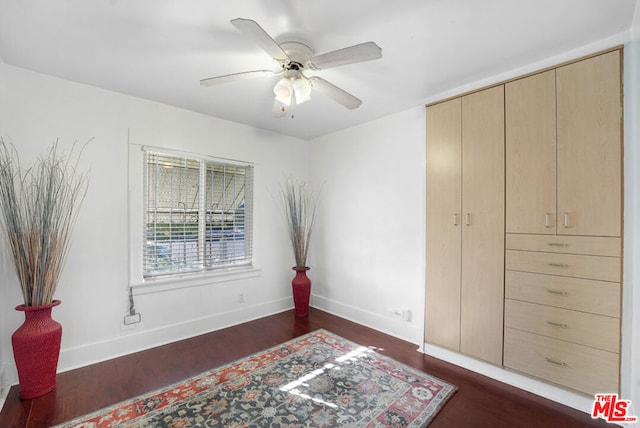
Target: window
point(197, 215)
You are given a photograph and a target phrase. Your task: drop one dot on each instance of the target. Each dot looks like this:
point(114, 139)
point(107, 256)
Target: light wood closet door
point(589, 147)
point(483, 224)
point(442, 317)
point(530, 126)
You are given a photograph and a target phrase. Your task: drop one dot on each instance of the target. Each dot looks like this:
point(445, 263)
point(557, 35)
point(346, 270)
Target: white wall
point(368, 249)
point(631, 275)
point(35, 110)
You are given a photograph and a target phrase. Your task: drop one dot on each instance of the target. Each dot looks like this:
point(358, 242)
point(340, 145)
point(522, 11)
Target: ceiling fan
point(294, 58)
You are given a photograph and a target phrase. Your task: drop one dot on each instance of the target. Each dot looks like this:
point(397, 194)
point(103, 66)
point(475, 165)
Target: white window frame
point(138, 281)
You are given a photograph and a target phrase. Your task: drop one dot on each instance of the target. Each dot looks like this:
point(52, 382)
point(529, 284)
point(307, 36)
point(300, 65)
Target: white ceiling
point(160, 49)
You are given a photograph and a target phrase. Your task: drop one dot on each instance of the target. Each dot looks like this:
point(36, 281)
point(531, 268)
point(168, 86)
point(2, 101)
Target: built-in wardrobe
point(524, 224)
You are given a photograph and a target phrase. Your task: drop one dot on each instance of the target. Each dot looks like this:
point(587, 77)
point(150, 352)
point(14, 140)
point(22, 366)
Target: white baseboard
point(559, 395)
point(134, 341)
point(401, 329)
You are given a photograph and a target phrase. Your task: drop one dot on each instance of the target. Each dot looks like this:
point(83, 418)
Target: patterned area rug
point(316, 380)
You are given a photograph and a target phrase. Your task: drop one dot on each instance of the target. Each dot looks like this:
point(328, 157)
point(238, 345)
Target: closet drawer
point(597, 297)
point(590, 267)
point(586, 245)
point(596, 331)
point(578, 367)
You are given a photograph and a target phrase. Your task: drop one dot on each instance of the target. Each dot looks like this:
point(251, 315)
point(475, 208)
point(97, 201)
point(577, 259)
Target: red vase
point(36, 347)
point(301, 287)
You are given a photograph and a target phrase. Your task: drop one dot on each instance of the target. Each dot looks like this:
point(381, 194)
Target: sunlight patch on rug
point(316, 380)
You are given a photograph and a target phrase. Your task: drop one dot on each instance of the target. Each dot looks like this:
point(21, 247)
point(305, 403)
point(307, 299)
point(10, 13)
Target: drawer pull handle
point(557, 363)
point(556, 324)
point(557, 292)
point(455, 219)
point(547, 220)
point(558, 265)
point(566, 220)
point(467, 219)
point(557, 244)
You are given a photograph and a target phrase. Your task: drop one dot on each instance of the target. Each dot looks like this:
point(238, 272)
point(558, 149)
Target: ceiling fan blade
point(252, 29)
point(357, 53)
point(236, 76)
point(279, 109)
point(338, 95)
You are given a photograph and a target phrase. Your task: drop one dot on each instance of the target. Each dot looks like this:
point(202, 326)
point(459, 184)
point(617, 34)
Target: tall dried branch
point(39, 208)
point(300, 212)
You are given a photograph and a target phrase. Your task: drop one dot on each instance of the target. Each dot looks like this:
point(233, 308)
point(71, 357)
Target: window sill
point(174, 282)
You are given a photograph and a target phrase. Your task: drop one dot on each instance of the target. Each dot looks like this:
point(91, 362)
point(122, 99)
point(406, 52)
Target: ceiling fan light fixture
point(302, 89)
point(283, 91)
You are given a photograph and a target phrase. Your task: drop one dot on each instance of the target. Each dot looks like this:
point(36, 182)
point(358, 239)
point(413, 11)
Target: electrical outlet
point(132, 319)
point(241, 298)
point(401, 314)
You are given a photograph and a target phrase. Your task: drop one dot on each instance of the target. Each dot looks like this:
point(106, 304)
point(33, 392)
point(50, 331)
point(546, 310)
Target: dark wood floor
point(479, 401)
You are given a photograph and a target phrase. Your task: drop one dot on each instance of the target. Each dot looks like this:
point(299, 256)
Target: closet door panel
point(530, 127)
point(589, 147)
point(483, 224)
point(443, 252)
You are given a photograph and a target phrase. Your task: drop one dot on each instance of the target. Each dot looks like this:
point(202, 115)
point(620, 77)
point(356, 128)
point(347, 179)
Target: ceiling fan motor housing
point(298, 52)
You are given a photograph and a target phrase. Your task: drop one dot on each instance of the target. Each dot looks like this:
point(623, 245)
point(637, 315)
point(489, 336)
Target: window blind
point(198, 214)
